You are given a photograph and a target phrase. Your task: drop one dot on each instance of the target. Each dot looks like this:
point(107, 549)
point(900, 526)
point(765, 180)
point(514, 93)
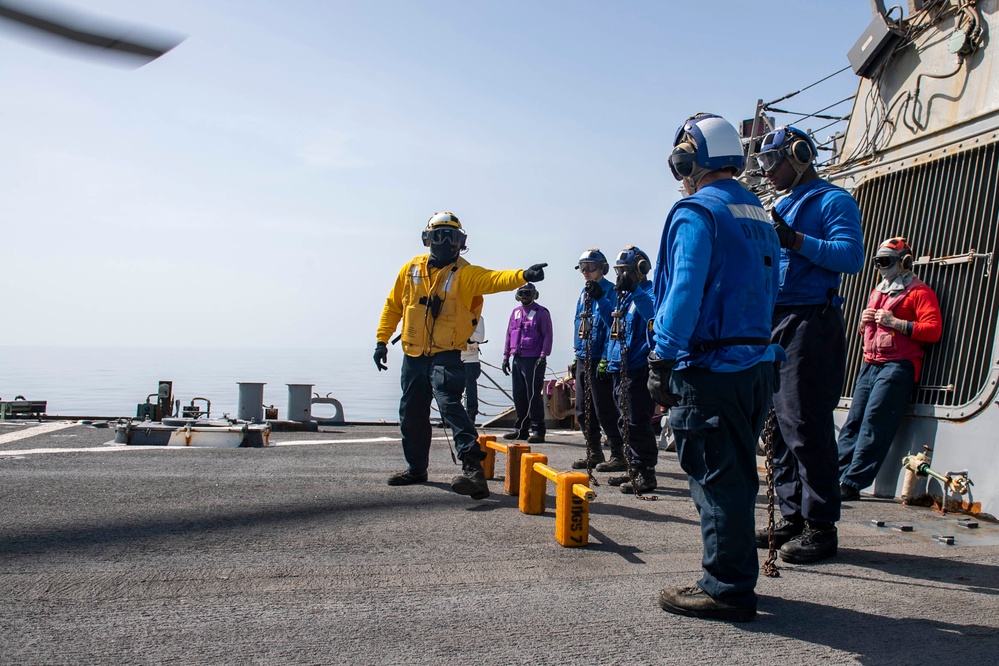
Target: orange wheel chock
point(489, 446)
point(489, 463)
point(532, 484)
point(572, 498)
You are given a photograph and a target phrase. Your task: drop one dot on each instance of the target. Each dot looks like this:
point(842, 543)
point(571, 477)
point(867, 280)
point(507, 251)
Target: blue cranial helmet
point(635, 259)
point(593, 257)
point(706, 142)
point(784, 142)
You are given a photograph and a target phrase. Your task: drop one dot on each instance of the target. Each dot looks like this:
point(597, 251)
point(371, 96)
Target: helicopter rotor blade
point(146, 48)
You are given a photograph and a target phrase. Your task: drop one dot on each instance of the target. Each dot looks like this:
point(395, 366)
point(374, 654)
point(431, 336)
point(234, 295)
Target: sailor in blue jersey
point(628, 329)
point(599, 291)
point(820, 235)
point(712, 362)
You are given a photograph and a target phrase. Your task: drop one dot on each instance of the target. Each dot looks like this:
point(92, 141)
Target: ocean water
point(110, 382)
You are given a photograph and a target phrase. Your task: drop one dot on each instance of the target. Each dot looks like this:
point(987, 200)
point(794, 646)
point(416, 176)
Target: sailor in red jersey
point(902, 315)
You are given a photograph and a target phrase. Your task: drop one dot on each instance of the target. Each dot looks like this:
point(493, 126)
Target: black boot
point(407, 478)
point(515, 434)
point(617, 463)
point(784, 531)
point(645, 480)
point(694, 602)
point(817, 542)
point(596, 457)
point(471, 481)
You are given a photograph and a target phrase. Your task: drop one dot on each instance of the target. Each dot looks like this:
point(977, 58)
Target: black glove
point(660, 371)
point(602, 373)
point(785, 234)
point(541, 365)
point(506, 366)
point(535, 273)
point(625, 282)
point(593, 289)
point(381, 356)
point(572, 368)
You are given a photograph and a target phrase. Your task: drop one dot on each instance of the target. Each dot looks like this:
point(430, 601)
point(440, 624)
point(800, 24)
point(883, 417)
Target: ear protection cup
point(682, 160)
point(801, 152)
point(907, 262)
point(643, 267)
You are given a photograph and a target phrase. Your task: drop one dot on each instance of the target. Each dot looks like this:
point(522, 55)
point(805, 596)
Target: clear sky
point(262, 184)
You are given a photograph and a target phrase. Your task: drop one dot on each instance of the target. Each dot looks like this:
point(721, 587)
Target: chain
point(586, 329)
point(769, 567)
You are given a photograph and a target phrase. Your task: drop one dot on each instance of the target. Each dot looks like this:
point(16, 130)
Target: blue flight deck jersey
point(716, 278)
point(830, 220)
point(598, 332)
point(638, 309)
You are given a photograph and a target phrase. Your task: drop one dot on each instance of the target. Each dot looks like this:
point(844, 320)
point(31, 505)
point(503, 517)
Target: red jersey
point(917, 304)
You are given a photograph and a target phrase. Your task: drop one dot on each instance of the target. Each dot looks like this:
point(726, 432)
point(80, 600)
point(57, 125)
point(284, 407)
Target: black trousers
point(717, 424)
point(441, 376)
point(472, 372)
point(528, 397)
point(806, 458)
point(642, 438)
point(603, 406)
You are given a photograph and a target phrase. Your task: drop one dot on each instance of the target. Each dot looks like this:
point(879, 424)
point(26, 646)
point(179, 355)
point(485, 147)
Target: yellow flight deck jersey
point(459, 286)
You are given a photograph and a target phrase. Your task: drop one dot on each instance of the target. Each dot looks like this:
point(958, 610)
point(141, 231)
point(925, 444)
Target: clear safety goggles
point(771, 159)
point(773, 149)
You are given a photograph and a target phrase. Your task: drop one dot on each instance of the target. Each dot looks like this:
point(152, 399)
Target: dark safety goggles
point(442, 235)
point(884, 262)
point(588, 267)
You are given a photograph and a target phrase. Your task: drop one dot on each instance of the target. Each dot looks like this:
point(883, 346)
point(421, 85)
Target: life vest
point(424, 334)
point(883, 344)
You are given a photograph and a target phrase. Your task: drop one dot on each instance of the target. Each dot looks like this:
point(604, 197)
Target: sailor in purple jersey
point(529, 342)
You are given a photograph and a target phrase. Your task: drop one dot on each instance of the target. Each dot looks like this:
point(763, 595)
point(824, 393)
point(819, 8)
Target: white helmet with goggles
point(705, 143)
point(444, 228)
point(593, 259)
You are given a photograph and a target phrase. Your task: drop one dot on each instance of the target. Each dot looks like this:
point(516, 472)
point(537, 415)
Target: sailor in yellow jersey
point(438, 298)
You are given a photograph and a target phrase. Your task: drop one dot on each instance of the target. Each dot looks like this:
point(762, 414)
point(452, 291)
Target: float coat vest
point(732, 330)
point(439, 308)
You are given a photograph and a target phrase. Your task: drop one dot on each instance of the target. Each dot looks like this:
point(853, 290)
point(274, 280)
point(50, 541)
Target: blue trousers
point(641, 437)
point(879, 401)
point(717, 424)
point(528, 397)
point(806, 459)
point(603, 407)
point(472, 372)
point(441, 376)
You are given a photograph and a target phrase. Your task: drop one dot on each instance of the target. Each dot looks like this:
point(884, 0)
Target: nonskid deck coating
point(300, 553)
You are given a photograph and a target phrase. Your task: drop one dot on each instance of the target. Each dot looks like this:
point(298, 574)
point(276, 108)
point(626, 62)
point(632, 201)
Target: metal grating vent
point(947, 209)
